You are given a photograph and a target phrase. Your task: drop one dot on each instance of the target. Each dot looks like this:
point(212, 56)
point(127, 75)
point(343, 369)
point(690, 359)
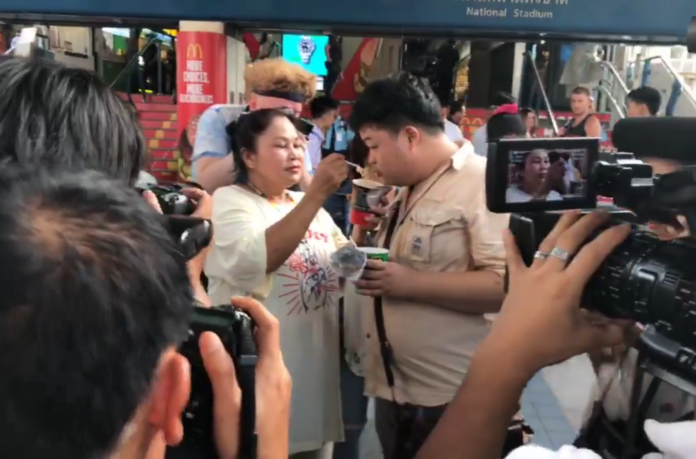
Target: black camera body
point(172, 201)
point(236, 331)
point(646, 280)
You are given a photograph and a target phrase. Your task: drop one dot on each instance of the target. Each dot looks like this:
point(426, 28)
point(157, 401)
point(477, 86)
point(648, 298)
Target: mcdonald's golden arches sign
point(194, 51)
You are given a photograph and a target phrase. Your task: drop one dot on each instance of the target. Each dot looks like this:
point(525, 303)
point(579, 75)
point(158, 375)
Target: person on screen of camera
point(274, 245)
point(270, 83)
point(50, 106)
point(473, 426)
point(95, 304)
point(536, 179)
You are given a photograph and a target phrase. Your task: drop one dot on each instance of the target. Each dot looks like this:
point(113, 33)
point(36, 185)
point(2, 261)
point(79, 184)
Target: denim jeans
point(354, 409)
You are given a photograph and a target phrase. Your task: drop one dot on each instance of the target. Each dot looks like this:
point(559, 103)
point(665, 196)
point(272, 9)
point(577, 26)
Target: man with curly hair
point(270, 83)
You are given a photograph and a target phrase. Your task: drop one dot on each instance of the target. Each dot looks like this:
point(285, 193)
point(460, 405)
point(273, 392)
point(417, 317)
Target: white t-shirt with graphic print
point(303, 294)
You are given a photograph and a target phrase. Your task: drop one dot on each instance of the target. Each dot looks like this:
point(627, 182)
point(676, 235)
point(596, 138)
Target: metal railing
point(133, 65)
point(615, 104)
point(540, 86)
point(616, 77)
point(668, 66)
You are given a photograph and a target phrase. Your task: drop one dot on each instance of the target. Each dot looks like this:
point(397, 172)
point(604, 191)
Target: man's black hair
point(504, 125)
point(93, 291)
point(320, 106)
point(456, 107)
point(502, 98)
point(47, 106)
point(396, 102)
point(648, 96)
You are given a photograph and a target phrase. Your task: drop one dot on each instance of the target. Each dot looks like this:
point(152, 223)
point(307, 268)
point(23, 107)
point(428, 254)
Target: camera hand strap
point(246, 376)
point(384, 346)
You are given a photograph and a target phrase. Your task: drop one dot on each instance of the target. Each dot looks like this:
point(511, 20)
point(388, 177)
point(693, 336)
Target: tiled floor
point(543, 413)
point(552, 403)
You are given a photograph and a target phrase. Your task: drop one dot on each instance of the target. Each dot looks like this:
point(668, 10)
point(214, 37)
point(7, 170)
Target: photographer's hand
point(540, 324)
point(556, 289)
point(273, 388)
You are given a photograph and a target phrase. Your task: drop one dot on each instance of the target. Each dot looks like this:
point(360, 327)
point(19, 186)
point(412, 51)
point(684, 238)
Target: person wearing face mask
point(270, 83)
point(274, 245)
point(537, 178)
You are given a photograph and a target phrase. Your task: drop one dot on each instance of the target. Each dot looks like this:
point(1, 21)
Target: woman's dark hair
point(246, 131)
point(526, 111)
point(55, 114)
point(504, 125)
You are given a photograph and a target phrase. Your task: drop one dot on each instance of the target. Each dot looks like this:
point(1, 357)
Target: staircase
point(677, 99)
point(158, 119)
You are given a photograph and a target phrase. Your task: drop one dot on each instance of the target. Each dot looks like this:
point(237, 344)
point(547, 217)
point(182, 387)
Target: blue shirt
point(212, 140)
point(314, 147)
point(343, 136)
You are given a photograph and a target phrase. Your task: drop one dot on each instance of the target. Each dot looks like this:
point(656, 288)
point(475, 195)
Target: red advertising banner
point(201, 81)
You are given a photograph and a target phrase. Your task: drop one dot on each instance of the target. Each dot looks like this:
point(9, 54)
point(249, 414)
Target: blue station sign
point(622, 19)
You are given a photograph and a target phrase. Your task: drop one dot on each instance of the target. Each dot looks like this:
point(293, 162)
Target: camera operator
point(274, 245)
point(474, 424)
point(95, 302)
point(59, 115)
point(270, 83)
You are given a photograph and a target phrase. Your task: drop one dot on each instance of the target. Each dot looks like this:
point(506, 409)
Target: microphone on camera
point(669, 138)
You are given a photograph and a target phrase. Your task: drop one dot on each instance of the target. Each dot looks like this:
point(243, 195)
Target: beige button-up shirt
point(444, 226)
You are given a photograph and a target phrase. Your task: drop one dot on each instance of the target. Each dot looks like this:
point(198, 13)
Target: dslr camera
point(232, 325)
point(646, 280)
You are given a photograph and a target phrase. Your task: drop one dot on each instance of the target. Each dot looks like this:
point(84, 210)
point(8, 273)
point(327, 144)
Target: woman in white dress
point(274, 245)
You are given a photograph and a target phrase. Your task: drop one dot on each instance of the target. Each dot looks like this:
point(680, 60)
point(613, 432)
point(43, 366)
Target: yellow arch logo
point(194, 51)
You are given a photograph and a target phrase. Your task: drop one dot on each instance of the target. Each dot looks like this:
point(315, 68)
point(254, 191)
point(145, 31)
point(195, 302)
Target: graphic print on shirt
point(310, 284)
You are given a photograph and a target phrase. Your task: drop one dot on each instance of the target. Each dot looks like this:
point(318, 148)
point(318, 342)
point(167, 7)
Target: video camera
point(646, 280)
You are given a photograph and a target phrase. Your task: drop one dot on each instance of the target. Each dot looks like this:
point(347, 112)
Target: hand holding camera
point(273, 387)
point(331, 172)
point(556, 283)
point(236, 365)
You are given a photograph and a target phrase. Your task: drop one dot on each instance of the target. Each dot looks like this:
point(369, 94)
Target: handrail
point(611, 99)
point(134, 61)
point(554, 125)
point(676, 76)
point(617, 77)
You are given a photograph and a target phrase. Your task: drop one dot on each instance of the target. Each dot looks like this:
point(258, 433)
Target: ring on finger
point(561, 254)
point(539, 255)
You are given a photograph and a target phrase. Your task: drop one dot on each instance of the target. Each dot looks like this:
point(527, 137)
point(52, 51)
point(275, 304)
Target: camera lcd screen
point(546, 175)
point(541, 174)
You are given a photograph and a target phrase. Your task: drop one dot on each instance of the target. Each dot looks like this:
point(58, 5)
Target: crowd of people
point(97, 296)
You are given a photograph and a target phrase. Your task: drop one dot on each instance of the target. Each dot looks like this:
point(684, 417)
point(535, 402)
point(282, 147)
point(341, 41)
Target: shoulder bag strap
point(384, 346)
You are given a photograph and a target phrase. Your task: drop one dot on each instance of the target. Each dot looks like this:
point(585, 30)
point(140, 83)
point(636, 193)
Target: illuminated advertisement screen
point(309, 51)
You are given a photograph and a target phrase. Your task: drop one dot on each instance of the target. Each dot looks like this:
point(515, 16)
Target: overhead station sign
point(621, 19)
